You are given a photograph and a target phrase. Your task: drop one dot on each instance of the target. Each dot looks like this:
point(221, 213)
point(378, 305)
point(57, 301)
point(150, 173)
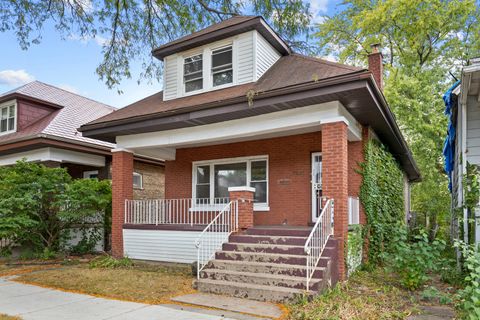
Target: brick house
point(261, 148)
point(39, 122)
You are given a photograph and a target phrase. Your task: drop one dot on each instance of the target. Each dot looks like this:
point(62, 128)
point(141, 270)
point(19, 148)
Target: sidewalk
point(36, 303)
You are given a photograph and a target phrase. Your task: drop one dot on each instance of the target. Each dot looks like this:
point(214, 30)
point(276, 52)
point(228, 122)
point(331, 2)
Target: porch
point(227, 178)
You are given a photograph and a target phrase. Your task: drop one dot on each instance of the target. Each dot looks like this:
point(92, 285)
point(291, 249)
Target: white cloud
point(68, 87)
point(318, 8)
point(15, 77)
point(86, 39)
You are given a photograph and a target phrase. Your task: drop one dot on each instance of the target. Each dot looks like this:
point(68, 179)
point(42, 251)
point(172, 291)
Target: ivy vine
point(381, 194)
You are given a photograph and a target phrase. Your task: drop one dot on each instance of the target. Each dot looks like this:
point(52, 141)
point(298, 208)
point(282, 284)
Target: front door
point(316, 185)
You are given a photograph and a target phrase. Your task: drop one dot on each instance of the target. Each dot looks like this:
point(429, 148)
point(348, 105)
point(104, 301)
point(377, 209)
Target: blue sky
point(71, 63)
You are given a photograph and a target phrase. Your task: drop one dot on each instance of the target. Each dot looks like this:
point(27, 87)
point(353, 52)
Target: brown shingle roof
point(75, 110)
point(288, 71)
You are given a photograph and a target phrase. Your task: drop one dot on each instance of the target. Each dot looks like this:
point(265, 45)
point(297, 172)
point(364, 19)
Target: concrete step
point(281, 240)
point(247, 290)
point(262, 267)
point(267, 248)
point(293, 232)
point(267, 257)
point(263, 279)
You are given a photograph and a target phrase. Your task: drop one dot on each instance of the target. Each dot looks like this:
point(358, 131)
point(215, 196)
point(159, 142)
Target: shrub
point(470, 294)
point(108, 262)
point(413, 259)
point(38, 204)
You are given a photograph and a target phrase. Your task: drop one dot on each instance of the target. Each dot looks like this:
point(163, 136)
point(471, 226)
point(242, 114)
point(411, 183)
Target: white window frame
point(138, 174)
point(248, 160)
point(190, 55)
point(88, 174)
point(206, 52)
point(15, 121)
point(211, 71)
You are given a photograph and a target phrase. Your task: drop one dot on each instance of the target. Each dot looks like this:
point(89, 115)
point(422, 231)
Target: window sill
point(261, 207)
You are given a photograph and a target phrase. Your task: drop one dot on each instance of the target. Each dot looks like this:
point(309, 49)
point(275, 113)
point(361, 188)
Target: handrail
point(215, 234)
point(317, 240)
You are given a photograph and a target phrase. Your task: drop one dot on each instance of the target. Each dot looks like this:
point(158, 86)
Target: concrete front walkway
point(36, 303)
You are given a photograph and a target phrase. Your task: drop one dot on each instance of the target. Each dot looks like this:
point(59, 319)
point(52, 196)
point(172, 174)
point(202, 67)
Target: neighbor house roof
point(223, 30)
point(71, 111)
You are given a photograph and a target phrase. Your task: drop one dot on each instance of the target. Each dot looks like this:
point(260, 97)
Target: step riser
point(258, 257)
point(268, 240)
point(260, 280)
point(264, 249)
point(278, 269)
point(249, 293)
point(278, 232)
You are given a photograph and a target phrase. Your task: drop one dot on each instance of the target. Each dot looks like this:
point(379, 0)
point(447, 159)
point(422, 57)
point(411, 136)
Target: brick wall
point(28, 113)
point(153, 181)
point(289, 174)
point(335, 175)
point(122, 188)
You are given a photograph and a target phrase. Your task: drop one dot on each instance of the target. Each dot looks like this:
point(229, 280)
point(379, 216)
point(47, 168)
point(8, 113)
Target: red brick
point(122, 189)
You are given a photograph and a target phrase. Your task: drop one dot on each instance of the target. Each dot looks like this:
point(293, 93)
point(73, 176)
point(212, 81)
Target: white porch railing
point(173, 211)
point(216, 234)
point(318, 238)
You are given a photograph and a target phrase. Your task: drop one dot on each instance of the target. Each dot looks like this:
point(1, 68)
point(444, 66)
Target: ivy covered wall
point(381, 194)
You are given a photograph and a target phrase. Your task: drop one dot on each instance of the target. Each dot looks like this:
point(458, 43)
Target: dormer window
point(7, 118)
point(193, 73)
point(222, 67)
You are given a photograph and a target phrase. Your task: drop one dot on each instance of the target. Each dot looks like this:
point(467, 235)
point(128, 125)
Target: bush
point(470, 294)
point(38, 204)
point(412, 260)
point(108, 262)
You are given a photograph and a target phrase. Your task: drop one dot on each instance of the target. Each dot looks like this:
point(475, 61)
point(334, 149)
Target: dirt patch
point(7, 317)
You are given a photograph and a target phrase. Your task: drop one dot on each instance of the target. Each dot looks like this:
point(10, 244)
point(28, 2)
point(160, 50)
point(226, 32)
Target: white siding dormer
point(266, 56)
point(252, 56)
point(170, 77)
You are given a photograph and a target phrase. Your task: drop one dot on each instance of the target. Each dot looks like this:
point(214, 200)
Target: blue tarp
point(449, 145)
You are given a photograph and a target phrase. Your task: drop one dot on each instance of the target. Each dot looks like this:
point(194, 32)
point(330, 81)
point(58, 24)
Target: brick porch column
point(122, 189)
point(244, 195)
point(335, 182)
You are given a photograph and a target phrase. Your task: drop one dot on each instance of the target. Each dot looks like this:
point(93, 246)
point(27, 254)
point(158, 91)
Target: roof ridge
point(73, 93)
point(324, 61)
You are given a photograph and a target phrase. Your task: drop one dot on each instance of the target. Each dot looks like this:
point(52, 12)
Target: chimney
point(375, 64)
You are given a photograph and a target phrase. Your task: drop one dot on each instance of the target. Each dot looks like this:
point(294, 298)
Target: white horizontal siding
point(473, 131)
point(170, 77)
point(161, 245)
point(245, 58)
point(266, 55)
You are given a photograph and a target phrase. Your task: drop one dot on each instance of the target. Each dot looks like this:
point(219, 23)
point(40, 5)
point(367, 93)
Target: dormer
point(234, 52)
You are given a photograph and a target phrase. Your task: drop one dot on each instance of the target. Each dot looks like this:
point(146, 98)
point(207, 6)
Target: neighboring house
point(39, 122)
point(253, 137)
point(462, 145)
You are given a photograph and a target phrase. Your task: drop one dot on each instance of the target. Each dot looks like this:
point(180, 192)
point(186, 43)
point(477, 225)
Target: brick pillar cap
point(245, 188)
point(121, 150)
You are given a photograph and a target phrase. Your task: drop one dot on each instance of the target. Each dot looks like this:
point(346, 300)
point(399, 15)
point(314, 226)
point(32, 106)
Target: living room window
point(193, 73)
point(222, 66)
point(8, 121)
point(211, 179)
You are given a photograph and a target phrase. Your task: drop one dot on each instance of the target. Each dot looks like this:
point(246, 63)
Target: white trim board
point(282, 123)
point(54, 154)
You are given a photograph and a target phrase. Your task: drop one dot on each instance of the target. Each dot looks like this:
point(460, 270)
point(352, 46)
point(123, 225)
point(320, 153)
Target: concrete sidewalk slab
point(36, 303)
point(262, 309)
